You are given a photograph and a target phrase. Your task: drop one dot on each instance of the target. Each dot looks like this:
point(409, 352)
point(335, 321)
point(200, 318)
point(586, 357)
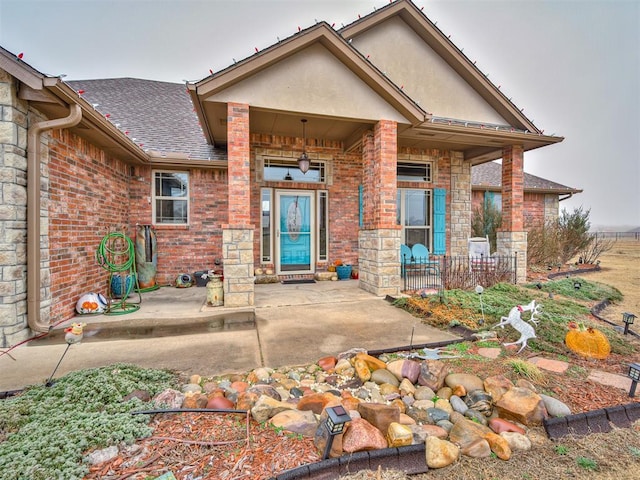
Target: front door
point(295, 244)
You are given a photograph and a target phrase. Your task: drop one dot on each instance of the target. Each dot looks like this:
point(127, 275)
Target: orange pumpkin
point(587, 342)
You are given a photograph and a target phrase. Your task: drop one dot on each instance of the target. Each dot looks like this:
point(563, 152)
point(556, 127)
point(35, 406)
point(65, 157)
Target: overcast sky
point(574, 66)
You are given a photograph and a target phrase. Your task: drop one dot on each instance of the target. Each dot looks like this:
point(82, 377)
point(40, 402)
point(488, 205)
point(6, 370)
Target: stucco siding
point(313, 81)
point(410, 63)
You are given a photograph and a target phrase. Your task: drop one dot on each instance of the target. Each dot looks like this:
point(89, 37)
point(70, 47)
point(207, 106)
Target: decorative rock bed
point(416, 414)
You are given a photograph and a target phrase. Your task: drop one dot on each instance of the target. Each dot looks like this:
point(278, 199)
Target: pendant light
point(303, 159)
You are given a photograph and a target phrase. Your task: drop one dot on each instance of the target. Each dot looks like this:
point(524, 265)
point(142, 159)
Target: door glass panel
point(295, 232)
point(266, 224)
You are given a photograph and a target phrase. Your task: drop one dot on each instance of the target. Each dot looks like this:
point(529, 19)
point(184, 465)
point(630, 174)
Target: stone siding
point(13, 214)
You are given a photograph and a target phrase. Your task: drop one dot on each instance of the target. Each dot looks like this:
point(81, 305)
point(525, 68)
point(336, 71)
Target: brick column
point(379, 239)
point(512, 238)
point(13, 217)
point(237, 235)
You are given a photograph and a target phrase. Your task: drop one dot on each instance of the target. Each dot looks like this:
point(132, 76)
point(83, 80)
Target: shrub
point(485, 221)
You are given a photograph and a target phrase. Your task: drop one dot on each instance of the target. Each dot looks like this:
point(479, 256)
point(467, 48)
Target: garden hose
point(116, 254)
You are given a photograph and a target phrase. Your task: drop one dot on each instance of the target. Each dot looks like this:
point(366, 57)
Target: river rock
point(344, 367)
point(500, 425)
point(399, 435)
point(406, 387)
point(361, 435)
point(260, 374)
point(421, 432)
point(327, 363)
point(424, 404)
point(555, 408)
point(266, 407)
point(478, 448)
point(440, 453)
point(446, 424)
point(405, 369)
point(372, 362)
point(424, 393)
point(362, 370)
point(389, 392)
point(296, 421)
point(382, 375)
point(445, 392)
point(268, 390)
point(497, 386)
point(169, 398)
point(220, 403)
point(191, 388)
point(524, 383)
point(458, 404)
point(498, 445)
point(469, 381)
point(517, 441)
point(522, 405)
point(464, 432)
point(432, 374)
point(476, 416)
point(443, 404)
point(418, 414)
point(436, 414)
point(316, 402)
point(480, 401)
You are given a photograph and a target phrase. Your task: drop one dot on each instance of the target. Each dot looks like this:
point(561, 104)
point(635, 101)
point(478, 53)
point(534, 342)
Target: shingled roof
point(159, 115)
point(488, 176)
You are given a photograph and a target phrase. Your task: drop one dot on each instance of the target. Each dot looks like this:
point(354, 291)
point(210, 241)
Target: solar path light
point(337, 417)
point(628, 319)
point(634, 375)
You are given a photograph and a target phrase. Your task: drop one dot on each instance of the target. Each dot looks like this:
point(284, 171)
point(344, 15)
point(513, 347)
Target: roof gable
point(370, 35)
point(315, 71)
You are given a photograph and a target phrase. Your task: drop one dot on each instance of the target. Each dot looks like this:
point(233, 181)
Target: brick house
point(541, 198)
point(395, 114)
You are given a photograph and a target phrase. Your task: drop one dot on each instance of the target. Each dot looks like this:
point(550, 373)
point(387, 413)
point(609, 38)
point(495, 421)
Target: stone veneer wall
point(510, 243)
point(551, 207)
point(459, 222)
point(13, 214)
point(379, 261)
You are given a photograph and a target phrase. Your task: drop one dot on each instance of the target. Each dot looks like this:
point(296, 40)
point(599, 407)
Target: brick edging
point(595, 421)
point(410, 460)
point(598, 307)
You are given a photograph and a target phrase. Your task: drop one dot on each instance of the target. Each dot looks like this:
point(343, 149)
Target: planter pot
point(344, 272)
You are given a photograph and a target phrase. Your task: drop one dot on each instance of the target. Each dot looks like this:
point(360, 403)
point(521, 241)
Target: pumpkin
point(587, 342)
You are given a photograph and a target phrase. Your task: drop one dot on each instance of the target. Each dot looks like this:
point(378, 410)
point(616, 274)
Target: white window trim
point(155, 197)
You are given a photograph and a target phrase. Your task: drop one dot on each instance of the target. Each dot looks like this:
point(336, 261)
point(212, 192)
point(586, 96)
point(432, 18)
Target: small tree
point(485, 221)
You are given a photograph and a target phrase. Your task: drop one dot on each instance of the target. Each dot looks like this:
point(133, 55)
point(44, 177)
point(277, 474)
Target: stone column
point(460, 218)
point(379, 239)
point(237, 235)
point(512, 238)
point(13, 215)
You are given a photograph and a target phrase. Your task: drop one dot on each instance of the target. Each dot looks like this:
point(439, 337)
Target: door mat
point(294, 281)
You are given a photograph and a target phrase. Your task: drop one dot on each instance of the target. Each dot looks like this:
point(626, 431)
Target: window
point(493, 199)
point(287, 170)
point(265, 225)
point(414, 172)
point(171, 198)
point(323, 225)
point(414, 211)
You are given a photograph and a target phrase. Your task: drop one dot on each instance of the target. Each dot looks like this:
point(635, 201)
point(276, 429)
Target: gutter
point(33, 211)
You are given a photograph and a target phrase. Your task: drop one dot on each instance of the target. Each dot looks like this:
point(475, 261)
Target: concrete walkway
point(174, 329)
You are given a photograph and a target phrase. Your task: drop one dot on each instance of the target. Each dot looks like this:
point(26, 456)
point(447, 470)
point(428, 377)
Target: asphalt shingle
point(157, 114)
point(490, 175)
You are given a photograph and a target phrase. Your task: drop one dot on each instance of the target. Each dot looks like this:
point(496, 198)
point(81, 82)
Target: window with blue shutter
point(439, 221)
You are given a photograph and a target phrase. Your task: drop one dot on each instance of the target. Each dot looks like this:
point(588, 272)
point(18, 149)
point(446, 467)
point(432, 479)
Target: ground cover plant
point(45, 430)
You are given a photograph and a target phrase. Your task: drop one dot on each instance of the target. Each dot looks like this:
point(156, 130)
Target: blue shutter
point(360, 205)
point(439, 221)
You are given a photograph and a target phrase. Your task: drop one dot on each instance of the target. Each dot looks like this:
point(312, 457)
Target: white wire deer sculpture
point(515, 320)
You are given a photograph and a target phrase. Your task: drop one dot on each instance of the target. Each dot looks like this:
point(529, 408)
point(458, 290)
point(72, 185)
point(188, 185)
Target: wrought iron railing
point(436, 274)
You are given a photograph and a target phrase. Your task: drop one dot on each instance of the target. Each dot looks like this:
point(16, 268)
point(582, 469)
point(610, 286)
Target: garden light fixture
point(577, 285)
point(303, 159)
point(628, 319)
point(634, 375)
point(336, 419)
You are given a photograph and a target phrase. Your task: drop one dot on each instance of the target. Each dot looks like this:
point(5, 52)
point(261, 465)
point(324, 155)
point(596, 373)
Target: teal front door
point(295, 232)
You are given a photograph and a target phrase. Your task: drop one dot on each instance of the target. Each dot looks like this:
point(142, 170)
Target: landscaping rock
point(522, 405)
point(555, 408)
point(361, 435)
point(469, 381)
point(440, 453)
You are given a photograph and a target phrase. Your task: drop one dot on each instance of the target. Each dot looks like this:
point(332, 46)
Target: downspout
point(33, 212)
point(569, 195)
